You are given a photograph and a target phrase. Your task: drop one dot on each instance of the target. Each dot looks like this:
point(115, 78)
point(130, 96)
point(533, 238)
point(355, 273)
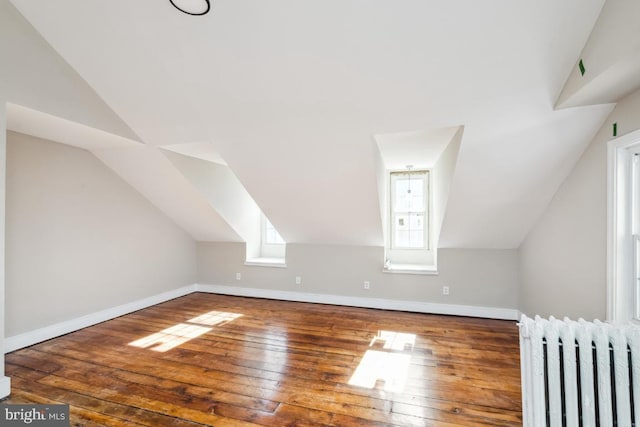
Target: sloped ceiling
point(226, 194)
point(611, 58)
point(33, 75)
point(290, 93)
point(43, 125)
point(144, 167)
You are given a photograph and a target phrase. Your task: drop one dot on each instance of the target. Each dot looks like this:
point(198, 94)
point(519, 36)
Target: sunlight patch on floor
point(379, 369)
point(386, 367)
point(214, 318)
point(182, 332)
point(171, 337)
point(394, 340)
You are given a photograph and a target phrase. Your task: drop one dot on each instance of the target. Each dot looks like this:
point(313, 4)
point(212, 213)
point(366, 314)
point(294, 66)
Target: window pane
point(271, 235)
point(416, 221)
point(409, 195)
point(637, 275)
point(416, 230)
point(409, 209)
point(403, 238)
point(635, 226)
point(402, 221)
point(409, 230)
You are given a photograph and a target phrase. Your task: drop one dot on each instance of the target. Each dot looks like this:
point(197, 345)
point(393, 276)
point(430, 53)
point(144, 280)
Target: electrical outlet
point(367, 285)
point(445, 290)
point(238, 276)
point(298, 280)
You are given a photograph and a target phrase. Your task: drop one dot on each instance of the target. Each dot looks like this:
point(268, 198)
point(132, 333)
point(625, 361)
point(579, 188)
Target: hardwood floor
point(215, 360)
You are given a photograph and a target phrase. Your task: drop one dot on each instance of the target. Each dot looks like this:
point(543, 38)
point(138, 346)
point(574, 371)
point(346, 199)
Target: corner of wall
point(563, 258)
point(5, 386)
point(4, 382)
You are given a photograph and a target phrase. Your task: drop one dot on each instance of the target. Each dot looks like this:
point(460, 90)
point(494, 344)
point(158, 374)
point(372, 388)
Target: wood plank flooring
point(216, 360)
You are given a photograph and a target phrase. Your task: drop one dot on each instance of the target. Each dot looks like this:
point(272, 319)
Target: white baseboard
point(33, 337)
point(386, 304)
point(5, 387)
point(38, 335)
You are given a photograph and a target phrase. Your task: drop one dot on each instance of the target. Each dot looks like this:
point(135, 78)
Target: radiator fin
point(579, 374)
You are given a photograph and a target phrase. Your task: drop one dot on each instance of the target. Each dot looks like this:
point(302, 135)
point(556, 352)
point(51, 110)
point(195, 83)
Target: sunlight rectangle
point(171, 337)
point(399, 341)
point(214, 318)
point(182, 332)
point(388, 371)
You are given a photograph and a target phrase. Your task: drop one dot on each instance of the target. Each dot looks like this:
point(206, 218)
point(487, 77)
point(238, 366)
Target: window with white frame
point(623, 228)
point(269, 250)
point(635, 225)
point(409, 194)
point(270, 235)
point(272, 245)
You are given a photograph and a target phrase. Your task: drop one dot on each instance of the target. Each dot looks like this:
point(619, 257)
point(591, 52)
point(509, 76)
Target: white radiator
point(579, 373)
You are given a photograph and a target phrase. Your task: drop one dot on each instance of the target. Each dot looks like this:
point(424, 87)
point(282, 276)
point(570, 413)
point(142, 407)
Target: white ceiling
point(416, 149)
point(199, 150)
point(31, 122)
point(611, 58)
point(289, 94)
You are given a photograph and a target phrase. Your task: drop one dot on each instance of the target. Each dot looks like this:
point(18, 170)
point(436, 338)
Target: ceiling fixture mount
point(192, 7)
point(409, 167)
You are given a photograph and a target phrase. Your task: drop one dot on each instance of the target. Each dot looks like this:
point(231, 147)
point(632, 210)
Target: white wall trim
point(266, 262)
point(5, 387)
point(618, 298)
point(386, 304)
point(38, 335)
point(42, 334)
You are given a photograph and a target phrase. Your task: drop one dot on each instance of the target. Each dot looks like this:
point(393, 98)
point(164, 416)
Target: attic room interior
point(344, 213)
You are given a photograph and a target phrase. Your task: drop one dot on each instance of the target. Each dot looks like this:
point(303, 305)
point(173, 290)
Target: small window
point(623, 228)
point(409, 210)
point(635, 225)
point(272, 249)
point(270, 235)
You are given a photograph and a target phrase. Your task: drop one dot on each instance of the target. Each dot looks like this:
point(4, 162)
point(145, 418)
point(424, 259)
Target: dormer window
point(270, 235)
point(409, 209)
point(272, 245)
point(414, 173)
point(409, 246)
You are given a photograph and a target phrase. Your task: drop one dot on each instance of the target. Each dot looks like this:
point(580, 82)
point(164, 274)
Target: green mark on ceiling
point(581, 66)
point(615, 129)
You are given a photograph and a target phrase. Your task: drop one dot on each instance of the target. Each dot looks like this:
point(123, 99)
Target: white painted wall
point(79, 239)
point(32, 74)
point(382, 184)
point(226, 194)
point(563, 258)
point(3, 145)
point(442, 177)
point(475, 276)
point(149, 171)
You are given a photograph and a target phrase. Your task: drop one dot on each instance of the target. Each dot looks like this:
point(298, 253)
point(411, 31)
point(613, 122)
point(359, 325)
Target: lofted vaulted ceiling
point(289, 94)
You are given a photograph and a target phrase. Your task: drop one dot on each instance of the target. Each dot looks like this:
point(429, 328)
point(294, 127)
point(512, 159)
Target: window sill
point(429, 270)
point(266, 262)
